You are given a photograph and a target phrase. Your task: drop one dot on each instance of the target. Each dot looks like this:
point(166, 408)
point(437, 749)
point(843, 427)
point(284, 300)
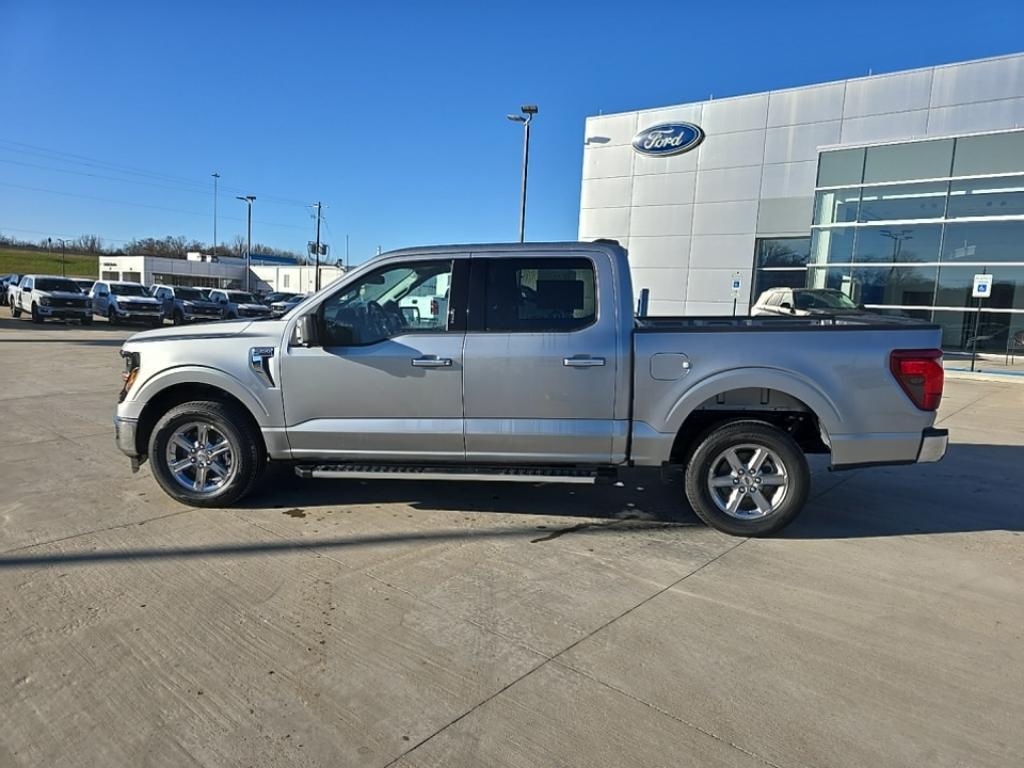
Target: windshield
point(191, 294)
point(56, 284)
point(128, 289)
point(241, 297)
point(822, 300)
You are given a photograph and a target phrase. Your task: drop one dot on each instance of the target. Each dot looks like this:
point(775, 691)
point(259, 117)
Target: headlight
point(45, 301)
point(131, 372)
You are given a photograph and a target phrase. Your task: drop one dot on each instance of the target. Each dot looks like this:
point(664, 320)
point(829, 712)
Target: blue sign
point(668, 139)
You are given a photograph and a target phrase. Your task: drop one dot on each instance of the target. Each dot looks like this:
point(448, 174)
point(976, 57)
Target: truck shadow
point(966, 492)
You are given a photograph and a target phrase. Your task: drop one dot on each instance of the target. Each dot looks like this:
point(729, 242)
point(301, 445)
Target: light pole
point(528, 110)
point(248, 246)
point(215, 176)
point(63, 244)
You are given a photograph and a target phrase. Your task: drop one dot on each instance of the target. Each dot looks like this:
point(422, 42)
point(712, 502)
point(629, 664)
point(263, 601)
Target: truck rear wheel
point(747, 478)
point(206, 453)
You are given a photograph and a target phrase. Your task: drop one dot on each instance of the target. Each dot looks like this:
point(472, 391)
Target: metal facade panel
point(605, 162)
point(799, 142)
point(743, 113)
point(604, 222)
point(785, 216)
point(688, 113)
point(660, 220)
point(610, 130)
point(664, 189)
point(664, 252)
point(715, 285)
point(730, 150)
point(900, 92)
point(813, 104)
point(978, 81)
point(897, 125)
point(734, 218)
point(980, 116)
point(613, 192)
point(721, 251)
point(716, 186)
point(788, 179)
point(665, 284)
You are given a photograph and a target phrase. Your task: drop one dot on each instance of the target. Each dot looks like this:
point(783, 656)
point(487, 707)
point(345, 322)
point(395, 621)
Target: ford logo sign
point(668, 139)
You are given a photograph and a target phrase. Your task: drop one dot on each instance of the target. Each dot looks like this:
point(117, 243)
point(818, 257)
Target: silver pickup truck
point(538, 372)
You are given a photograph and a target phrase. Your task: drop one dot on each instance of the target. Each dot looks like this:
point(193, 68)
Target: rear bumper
point(874, 450)
point(933, 445)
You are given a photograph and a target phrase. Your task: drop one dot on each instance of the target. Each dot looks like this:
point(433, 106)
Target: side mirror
point(786, 305)
point(307, 331)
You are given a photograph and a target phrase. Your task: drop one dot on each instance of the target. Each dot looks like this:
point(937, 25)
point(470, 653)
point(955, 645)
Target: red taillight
point(919, 372)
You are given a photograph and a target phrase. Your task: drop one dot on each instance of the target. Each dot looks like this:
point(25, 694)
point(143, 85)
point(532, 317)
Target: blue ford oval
point(668, 139)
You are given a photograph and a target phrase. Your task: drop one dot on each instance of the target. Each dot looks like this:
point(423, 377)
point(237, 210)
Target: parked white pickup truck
point(537, 371)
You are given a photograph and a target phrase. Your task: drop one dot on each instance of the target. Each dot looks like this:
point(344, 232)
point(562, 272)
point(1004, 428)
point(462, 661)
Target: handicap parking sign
point(982, 287)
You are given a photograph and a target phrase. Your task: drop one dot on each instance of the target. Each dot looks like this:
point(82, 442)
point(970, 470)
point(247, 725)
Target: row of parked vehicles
point(49, 297)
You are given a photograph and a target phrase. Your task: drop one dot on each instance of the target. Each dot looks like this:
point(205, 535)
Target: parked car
point(556, 384)
point(125, 302)
point(283, 306)
point(238, 304)
point(271, 298)
point(182, 304)
point(5, 282)
point(84, 284)
point(46, 297)
point(801, 302)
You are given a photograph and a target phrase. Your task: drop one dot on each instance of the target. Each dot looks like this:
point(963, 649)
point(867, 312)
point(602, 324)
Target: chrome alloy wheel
point(199, 457)
point(748, 481)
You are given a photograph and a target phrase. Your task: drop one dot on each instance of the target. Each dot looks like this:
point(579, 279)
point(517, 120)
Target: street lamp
point(215, 176)
point(63, 244)
point(248, 247)
point(528, 110)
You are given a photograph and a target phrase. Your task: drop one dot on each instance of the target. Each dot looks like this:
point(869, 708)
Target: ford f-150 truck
point(538, 371)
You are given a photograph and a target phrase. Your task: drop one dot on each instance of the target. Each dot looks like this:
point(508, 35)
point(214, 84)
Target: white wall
point(690, 221)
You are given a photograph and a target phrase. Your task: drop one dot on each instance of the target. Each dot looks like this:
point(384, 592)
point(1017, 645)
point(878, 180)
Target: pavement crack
point(96, 530)
point(565, 650)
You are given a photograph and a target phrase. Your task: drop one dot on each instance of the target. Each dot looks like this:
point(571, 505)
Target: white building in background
point(894, 188)
point(204, 271)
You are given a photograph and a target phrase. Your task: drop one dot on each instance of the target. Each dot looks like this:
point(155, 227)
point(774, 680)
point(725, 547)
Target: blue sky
point(391, 113)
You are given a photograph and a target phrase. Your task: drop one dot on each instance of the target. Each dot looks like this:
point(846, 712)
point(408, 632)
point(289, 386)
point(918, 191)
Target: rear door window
point(538, 295)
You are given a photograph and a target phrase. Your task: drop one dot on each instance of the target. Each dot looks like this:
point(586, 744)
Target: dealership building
point(895, 189)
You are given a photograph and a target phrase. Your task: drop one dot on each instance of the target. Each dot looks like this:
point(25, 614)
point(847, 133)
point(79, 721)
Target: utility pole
point(248, 248)
point(215, 176)
point(63, 244)
point(346, 252)
point(316, 284)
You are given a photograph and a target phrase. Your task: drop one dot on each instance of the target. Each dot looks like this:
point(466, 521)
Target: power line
point(141, 205)
point(59, 234)
point(76, 159)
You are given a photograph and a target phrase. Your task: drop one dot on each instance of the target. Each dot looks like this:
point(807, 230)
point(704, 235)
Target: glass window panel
point(841, 166)
point(956, 283)
point(783, 252)
point(783, 278)
point(901, 286)
point(539, 295)
point(995, 330)
point(997, 153)
point(984, 242)
point(836, 278)
point(987, 197)
point(832, 246)
point(903, 201)
point(836, 205)
point(898, 244)
point(903, 162)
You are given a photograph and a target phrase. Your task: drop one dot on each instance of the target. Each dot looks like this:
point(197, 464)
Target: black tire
point(15, 312)
point(248, 452)
point(36, 317)
point(111, 316)
point(742, 435)
point(87, 320)
point(179, 318)
point(156, 322)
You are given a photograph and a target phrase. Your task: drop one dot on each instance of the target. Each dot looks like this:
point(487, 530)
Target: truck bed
point(668, 323)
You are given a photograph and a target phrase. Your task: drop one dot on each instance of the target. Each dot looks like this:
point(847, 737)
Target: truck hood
point(63, 295)
point(217, 330)
point(135, 299)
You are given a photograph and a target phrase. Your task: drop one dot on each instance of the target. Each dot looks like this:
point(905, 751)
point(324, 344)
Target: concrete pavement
point(425, 624)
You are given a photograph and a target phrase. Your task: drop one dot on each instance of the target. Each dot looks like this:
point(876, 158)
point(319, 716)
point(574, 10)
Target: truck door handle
point(430, 361)
point(582, 362)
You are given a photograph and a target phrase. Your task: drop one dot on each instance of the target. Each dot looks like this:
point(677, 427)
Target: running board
point(455, 472)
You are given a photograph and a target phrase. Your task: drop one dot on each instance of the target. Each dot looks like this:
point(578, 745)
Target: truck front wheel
point(747, 478)
point(206, 453)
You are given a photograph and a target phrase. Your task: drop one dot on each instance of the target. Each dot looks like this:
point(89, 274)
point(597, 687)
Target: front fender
point(194, 374)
